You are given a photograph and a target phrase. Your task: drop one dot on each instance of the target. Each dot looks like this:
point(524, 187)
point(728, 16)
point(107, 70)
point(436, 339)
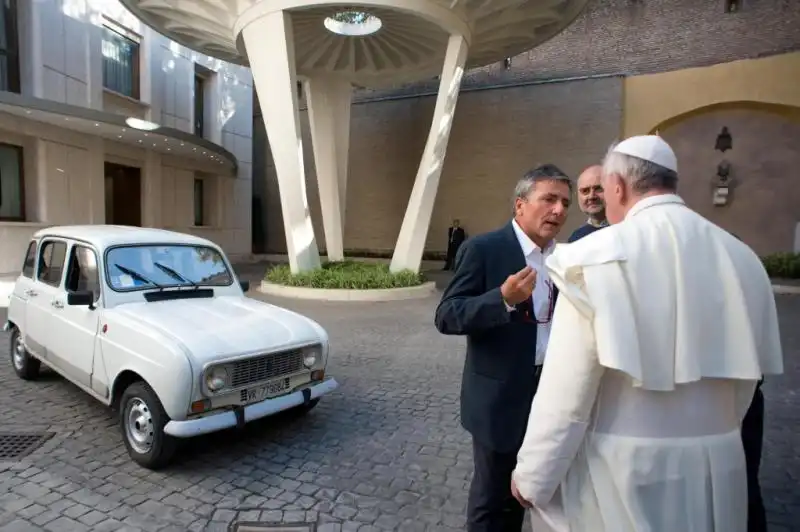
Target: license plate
point(268, 390)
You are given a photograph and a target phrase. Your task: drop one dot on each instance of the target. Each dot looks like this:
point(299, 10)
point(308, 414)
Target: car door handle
point(57, 304)
point(31, 293)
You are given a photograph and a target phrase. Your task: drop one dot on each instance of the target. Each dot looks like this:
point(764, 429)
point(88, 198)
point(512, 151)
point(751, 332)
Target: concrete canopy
point(409, 46)
point(332, 45)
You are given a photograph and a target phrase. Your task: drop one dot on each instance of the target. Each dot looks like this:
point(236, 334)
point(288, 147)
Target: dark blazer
point(499, 378)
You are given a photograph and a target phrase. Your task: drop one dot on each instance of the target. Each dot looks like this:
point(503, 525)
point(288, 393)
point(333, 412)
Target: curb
point(783, 289)
point(328, 294)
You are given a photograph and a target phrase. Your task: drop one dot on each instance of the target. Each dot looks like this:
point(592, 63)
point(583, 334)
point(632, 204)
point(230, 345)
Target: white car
point(155, 324)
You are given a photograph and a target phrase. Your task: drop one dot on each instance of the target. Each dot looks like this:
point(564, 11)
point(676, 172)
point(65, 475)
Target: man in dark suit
point(591, 202)
point(502, 300)
point(752, 431)
point(455, 237)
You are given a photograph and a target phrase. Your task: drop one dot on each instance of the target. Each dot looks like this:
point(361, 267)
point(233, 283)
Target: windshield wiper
point(175, 275)
point(136, 275)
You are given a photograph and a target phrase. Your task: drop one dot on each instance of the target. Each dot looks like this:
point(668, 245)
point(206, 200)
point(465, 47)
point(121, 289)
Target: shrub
point(782, 265)
point(347, 274)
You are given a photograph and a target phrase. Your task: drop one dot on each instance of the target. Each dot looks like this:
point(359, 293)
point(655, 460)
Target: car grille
point(266, 367)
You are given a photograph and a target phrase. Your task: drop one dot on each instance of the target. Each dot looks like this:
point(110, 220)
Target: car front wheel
point(142, 420)
point(25, 366)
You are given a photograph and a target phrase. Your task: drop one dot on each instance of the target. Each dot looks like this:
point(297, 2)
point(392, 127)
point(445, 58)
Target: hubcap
point(139, 426)
point(19, 354)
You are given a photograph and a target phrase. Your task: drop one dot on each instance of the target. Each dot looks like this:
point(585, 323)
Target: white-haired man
point(664, 326)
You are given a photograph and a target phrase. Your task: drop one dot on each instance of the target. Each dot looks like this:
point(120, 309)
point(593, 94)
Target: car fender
point(158, 359)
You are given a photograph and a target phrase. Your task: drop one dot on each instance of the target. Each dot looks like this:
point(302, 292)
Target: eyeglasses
point(529, 313)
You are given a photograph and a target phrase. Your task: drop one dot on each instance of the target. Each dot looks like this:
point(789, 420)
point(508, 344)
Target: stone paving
point(384, 452)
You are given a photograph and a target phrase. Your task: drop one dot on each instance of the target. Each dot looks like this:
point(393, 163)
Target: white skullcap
point(650, 148)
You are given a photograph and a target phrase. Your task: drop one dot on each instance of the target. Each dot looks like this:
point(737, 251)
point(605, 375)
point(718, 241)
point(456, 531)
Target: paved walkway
point(384, 452)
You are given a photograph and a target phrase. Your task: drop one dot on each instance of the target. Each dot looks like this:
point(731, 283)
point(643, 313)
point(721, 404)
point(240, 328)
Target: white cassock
point(663, 326)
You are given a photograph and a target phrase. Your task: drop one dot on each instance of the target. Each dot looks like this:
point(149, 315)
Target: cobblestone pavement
point(384, 452)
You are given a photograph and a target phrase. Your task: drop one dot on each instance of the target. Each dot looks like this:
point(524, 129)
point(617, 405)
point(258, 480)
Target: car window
point(51, 262)
point(30, 260)
point(82, 272)
point(154, 266)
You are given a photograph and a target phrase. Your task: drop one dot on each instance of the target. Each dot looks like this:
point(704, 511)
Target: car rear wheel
point(142, 420)
point(25, 366)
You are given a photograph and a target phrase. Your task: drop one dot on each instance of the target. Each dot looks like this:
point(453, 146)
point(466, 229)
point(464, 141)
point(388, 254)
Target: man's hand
point(519, 286)
point(515, 493)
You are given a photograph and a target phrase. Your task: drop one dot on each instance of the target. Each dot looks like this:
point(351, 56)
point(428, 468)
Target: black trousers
point(491, 507)
point(752, 440)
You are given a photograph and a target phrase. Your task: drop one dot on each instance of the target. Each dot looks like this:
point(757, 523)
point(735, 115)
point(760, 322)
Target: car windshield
point(157, 266)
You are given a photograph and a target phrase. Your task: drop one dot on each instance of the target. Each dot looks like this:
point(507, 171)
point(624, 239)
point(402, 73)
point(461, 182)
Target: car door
point(74, 327)
point(41, 296)
point(22, 287)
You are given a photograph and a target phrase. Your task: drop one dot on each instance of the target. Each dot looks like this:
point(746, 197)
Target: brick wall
point(497, 135)
point(644, 36)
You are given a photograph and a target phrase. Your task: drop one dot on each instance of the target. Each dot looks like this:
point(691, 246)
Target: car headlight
point(311, 357)
point(217, 379)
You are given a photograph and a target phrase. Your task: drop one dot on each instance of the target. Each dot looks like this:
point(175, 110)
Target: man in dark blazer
point(501, 299)
point(455, 237)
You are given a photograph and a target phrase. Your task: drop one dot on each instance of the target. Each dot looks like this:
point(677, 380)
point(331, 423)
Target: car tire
point(25, 366)
point(142, 420)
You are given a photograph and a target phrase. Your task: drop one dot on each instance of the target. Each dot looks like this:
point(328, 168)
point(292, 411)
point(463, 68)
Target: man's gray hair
point(641, 175)
point(545, 172)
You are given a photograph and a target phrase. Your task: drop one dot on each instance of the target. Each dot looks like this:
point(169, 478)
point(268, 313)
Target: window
point(30, 260)
point(12, 189)
point(9, 46)
point(120, 62)
point(82, 274)
point(51, 262)
point(199, 104)
point(146, 266)
point(199, 201)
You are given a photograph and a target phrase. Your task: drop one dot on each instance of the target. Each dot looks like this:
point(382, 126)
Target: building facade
point(103, 120)
point(682, 68)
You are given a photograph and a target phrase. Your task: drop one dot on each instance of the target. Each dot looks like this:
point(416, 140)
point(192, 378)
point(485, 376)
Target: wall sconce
point(507, 63)
point(722, 184)
point(724, 140)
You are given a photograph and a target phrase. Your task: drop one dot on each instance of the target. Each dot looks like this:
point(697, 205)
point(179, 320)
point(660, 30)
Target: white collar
point(529, 246)
point(653, 201)
point(604, 223)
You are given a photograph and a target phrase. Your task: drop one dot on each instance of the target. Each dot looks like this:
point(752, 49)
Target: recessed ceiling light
point(96, 124)
point(353, 24)
point(138, 123)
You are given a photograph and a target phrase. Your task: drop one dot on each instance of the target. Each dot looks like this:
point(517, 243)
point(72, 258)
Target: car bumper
point(229, 419)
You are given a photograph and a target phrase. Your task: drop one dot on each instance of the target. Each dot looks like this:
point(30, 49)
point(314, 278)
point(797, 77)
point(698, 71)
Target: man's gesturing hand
point(519, 286)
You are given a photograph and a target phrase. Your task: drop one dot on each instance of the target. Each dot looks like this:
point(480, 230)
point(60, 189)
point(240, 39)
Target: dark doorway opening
point(123, 195)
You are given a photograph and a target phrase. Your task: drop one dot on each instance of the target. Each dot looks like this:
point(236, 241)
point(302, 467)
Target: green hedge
point(783, 265)
point(347, 274)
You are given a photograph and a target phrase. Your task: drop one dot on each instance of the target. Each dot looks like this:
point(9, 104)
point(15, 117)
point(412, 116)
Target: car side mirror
point(81, 298)
point(245, 285)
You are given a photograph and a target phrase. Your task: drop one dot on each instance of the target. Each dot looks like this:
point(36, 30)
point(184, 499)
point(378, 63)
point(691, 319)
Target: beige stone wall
point(765, 206)
point(497, 135)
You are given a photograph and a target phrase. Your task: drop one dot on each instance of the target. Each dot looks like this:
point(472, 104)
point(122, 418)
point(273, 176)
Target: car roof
point(104, 236)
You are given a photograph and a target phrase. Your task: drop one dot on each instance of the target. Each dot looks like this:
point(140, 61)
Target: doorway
point(123, 195)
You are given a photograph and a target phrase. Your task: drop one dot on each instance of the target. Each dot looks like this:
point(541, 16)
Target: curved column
point(329, 119)
point(270, 42)
point(417, 220)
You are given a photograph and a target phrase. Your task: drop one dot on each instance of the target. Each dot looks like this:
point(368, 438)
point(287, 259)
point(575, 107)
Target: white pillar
point(329, 118)
point(270, 43)
point(417, 220)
